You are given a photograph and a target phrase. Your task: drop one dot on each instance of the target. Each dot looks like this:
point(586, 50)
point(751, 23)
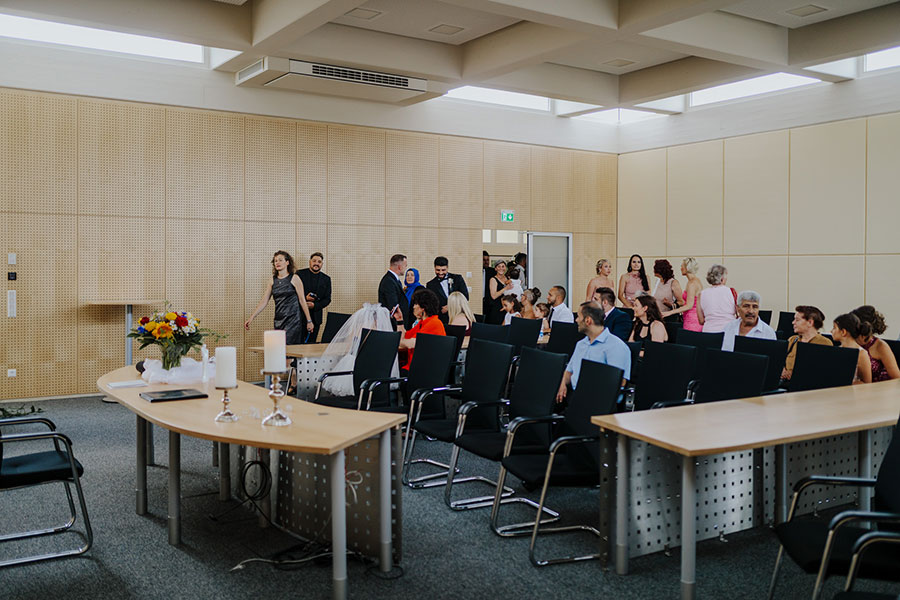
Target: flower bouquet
point(175, 332)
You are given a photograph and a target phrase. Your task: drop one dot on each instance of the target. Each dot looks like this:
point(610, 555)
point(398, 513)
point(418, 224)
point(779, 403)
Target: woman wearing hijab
point(411, 283)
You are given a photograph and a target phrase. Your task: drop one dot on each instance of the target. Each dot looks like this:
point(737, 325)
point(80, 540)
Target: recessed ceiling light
point(363, 13)
point(445, 29)
point(619, 62)
point(806, 10)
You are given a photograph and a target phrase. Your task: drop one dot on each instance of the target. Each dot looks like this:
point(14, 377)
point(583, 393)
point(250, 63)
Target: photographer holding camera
point(318, 292)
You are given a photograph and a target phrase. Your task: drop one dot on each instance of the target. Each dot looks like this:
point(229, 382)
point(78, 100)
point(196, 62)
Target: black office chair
point(479, 318)
point(676, 319)
point(457, 332)
point(636, 360)
point(825, 545)
point(333, 323)
point(730, 376)
point(564, 338)
point(487, 366)
point(673, 329)
point(523, 333)
point(701, 341)
point(572, 460)
point(490, 332)
point(895, 348)
point(818, 367)
point(766, 315)
point(430, 368)
point(374, 360)
point(533, 395)
point(776, 350)
point(628, 311)
point(785, 323)
point(864, 543)
point(666, 370)
point(38, 468)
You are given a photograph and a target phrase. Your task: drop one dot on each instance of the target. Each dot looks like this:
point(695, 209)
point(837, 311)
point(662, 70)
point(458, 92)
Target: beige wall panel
point(767, 275)
point(695, 199)
point(355, 176)
point(312, 172)
point(812, 281)
point(419, 244)
point(588, 248)
point(756, 194)
point(507, 184)
point(828, 188)
point(553, 200)
point(39, 159)
point(411, 185)
point(204, 165)
point(705, 263)
point(41, 341)
point(270, 156)
point(596, 191)
point(262, 241)
point(461, 183)
point(213, 290)
point(882, 207)
point(462, 247)
point(356, 262)
point(883, 289)
point(642, 203)
point(121, 159)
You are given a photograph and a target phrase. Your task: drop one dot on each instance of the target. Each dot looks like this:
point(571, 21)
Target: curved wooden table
point(316, 430)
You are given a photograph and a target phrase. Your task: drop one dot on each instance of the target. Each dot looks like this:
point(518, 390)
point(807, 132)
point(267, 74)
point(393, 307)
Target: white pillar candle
point(226, 367)
point(275, 350)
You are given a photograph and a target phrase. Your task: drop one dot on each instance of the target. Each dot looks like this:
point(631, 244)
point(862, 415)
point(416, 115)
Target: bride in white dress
point(345, 346)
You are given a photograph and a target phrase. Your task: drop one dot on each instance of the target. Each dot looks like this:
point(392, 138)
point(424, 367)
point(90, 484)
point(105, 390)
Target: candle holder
point(226, 416)
point(276, 393)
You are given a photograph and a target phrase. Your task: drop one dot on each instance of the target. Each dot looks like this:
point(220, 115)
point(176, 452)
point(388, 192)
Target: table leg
point(140, 479)
point(224, 460)
point(384, 493)
point(337, 479)
point(622, 504)
point(215, 452)
point(781, 484)
point(150, 450)
point(865, 468)
point(174, 488)
point(688, 529)
point(129, 342)
point(265, 505)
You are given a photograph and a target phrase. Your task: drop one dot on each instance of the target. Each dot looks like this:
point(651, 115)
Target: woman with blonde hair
point(528, 299)
point(604, 270)
point(688, 310)
point(458, 311)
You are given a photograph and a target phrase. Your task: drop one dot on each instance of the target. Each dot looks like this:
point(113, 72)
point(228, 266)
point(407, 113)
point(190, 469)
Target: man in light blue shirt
point(598, 345)
point(749, 324)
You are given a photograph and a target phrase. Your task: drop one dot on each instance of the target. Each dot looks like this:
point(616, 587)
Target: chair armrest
point(774, 392)
point(324, 376)
point(684, 402)
point(848, 516)
point(692, 385)
point(375, 382)
point(875, 536)
point(25, 420)
point(38, 435)
point(518, 422)
point(826, 480)
point(466, 408)
point(572, 439)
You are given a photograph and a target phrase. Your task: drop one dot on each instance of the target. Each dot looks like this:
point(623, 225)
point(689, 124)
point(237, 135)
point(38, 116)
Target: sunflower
point(163, 331)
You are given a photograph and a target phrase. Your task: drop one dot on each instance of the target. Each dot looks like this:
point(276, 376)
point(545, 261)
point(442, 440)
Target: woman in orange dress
point(425, 307)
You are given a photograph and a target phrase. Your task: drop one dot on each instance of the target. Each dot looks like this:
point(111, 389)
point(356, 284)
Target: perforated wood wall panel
point(121, 153)
point(357, 258)
point(270, 153)
point(457, 245)
point(419, 244)
point(588, 248)
point(312, 172)
point(552, 188)
point(595, 188)
point(411, 182)
point(355, 176)
point(461, 183)
point(507, 185)
point(39, 153)
point(204, 165)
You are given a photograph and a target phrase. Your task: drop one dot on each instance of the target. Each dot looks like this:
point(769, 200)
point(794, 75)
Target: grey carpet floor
point(445, 554)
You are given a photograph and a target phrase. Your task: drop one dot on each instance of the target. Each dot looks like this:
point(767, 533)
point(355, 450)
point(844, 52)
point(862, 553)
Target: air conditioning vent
point(360, 76)
point(252, 70)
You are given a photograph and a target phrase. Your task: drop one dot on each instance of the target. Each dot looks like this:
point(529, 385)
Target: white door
point(550, 262)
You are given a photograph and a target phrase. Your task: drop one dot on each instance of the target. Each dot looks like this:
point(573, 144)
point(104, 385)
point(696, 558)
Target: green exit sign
point(507, 216)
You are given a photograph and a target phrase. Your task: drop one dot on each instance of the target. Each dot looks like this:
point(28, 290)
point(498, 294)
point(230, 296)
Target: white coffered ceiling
point(601, 52)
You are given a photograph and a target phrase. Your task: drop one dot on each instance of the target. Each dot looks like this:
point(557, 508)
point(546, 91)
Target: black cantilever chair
point(818, 367)
point(766, 316)
point(490, 332)
point(666, 370)
point(785, 323)
point(533, 395)
point(374, 360)
point(487, 367)
point(701, 341)
point(564, 338)
point(572, 460)
point(430, 368)
point(730, 376)
point(523, 333)
point(826, 546)
point(333, 323)
point(864, 543)
point(37, 468)
point(776, 350)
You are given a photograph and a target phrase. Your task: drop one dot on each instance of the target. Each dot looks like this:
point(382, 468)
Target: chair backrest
point(430, 366)
point(333, 323)
point(490, 332)
point(786, 322)
point(766, 315)
point(564, 338)
point(673, 329)
point(596, 394)
point(628, 311)
point(635, 348)
point(887, 485)
point(523, 333)
point(776, 350)
point(479, 318)
point(731, 375)
point(534, 391)
point(895, 347)
point(456, 331)
point(701, 341)
point(375, 359)
point(666, 370)
point(819, 367)
point(487, 367)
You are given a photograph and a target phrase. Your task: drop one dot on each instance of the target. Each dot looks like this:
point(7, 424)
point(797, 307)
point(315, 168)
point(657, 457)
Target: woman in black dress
point(498, 285)
point(287, 290)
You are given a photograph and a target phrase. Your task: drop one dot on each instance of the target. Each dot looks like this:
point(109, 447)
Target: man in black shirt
point(317, 286)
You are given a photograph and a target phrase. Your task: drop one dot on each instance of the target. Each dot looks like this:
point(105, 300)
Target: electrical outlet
point(10, 372)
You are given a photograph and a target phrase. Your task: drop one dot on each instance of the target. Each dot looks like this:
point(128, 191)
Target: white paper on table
point(126, 384)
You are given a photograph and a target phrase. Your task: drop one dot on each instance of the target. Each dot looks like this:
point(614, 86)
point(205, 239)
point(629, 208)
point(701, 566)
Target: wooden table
point(315, 430)
point(714, 428)
point(297, 350)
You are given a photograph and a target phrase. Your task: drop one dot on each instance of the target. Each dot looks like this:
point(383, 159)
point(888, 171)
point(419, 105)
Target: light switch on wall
point(11, 258)
point(11, 303)
point(10, 372)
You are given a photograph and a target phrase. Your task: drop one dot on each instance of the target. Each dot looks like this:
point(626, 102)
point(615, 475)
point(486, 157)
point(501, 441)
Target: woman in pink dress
point(716, 307)
point(688, 310)
point(634, 282)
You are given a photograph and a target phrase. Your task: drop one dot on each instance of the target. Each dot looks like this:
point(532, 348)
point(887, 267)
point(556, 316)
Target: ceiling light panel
point(619, 62)
point(806, 10)
point(445, 29)
point(364, 14)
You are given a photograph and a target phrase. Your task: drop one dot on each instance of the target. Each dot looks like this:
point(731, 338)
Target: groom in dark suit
point(445, 283)
point(390, 291)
